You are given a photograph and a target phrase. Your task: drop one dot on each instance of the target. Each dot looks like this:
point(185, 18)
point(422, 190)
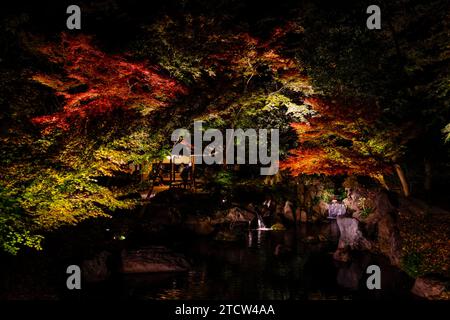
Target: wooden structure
point(174, 175)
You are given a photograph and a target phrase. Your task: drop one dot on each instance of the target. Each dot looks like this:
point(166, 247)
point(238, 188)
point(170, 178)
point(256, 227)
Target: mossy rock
point(278, 227)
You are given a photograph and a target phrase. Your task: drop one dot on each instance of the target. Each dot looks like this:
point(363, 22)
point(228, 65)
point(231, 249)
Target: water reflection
point(276, 265)
point(258, 234)
point(350, 274)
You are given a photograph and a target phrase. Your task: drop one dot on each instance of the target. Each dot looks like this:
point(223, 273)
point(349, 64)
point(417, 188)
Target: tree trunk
point(428, 175)
point(403, 180)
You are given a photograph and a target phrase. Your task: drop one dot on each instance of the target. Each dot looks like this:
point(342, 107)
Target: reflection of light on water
point(171, 294)
point(259, 237)
point(251, 270)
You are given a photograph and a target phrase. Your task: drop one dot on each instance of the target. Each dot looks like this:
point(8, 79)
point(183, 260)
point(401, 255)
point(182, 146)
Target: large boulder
point(320, 210)
point(351, 238)
point(288, 211)
point(278, 227)
point(153, 259)
point(303, 216)
point(239, 215)
point(351, 234)
point(388, 236)
point(233, 215)
point(431, 288)
point(379, 228)
point(389, 240)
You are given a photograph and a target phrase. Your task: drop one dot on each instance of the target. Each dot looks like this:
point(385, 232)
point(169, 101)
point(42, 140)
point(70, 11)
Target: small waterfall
point(336, 209)
point(261, 224)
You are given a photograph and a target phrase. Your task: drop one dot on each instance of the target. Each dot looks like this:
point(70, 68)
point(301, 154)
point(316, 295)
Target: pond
point(292, 264)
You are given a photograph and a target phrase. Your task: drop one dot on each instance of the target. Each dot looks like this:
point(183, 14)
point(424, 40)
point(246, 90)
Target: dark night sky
point(118, 21)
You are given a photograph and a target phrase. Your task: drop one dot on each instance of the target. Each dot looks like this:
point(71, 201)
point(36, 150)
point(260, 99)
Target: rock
point(96, 269)
point(380, 227)
point(389, 240)
point(430, 288)
point(239, 215)
point(342, 254)
point(279, 208)
point(278, 227)
point(288, 211)
point(303, 216)
point(153, 259)
point(351, 238)
point(320, 209)
point(351, 234)
point(297, 215)
point(352, 200)
point(234, 218)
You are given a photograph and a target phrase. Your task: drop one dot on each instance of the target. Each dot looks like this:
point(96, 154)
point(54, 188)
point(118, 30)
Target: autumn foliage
point(102, 113)
point(341, 139)
point(95, 83)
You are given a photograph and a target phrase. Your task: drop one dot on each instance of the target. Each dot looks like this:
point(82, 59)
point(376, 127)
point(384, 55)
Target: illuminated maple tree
point(94, 84)
point(100, 112)
point(343, 140)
